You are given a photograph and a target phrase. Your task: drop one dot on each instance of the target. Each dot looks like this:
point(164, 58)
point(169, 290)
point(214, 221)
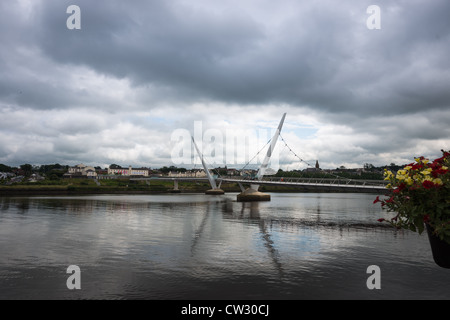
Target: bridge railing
point(330, 181)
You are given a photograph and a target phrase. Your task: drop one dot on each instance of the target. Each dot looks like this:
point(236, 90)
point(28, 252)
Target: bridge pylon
point(252, 193)
point(214, 189)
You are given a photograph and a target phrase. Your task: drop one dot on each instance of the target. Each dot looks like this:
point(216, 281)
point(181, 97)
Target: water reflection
point(200, 229)
point(250, 212)
point(184, 246)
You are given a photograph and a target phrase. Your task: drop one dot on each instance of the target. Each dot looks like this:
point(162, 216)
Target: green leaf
point(420, 227)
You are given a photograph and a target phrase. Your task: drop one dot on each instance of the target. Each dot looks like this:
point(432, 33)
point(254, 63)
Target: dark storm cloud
point(154, 42)
point(321, 56)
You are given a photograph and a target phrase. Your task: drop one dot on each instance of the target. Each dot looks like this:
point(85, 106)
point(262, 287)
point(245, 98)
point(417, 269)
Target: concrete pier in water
point(214, 191)
point(252, 195)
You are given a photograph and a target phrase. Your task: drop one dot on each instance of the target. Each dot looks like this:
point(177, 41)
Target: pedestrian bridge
point(320, 183)
point(334, 183)
point(330, 184)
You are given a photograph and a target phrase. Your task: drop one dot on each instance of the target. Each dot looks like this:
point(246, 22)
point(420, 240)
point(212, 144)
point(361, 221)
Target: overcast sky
point(138, 73)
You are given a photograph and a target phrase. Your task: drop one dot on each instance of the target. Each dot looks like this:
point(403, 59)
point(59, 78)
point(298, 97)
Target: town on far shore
point(35, 173)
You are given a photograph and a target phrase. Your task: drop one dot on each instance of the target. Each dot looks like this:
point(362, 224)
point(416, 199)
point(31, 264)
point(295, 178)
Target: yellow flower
point(401, 174)
point(388, 174)
point(426, 171)
point(409, 181)
point(437, 181)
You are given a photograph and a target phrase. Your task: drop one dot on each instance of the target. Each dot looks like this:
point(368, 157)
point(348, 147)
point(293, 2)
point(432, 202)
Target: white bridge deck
point(331, 183)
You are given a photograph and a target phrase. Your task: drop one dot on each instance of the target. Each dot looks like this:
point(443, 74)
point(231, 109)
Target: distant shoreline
point(32, 190)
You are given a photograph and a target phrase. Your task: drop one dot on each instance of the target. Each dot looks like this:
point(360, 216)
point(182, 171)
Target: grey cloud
point(132, 59)
point(322, 56)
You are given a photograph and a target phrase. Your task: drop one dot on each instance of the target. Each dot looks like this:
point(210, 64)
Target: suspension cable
point(256, 154)
point(321, 170)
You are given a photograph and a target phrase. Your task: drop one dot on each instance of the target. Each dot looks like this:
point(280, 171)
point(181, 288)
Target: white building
point(81, 170)
point(188, 174)
point(129, 171)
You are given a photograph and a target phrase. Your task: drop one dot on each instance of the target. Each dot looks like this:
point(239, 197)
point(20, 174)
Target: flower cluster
point(419, 194)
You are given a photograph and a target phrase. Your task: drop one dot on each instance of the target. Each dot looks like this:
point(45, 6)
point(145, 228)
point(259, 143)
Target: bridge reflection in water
point(184, 246)
point(250, 213)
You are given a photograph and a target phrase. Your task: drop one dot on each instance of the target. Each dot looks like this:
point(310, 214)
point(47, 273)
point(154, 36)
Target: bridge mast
point(265, 163)
point(252, 193)
point(212, 182)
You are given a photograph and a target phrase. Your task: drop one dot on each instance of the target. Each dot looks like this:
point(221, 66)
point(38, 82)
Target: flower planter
point(420, 193)
point(439, 248)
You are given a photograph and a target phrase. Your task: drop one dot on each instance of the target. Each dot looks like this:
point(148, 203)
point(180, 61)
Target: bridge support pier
point(214, 191)
point(175, 187)
point(252, 195)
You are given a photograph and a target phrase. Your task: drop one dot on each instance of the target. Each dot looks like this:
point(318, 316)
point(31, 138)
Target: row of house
point(6, 175)
point(143, 172)
point(188, 174)
point(84, 171)
point(81, 171)
point(13, 178)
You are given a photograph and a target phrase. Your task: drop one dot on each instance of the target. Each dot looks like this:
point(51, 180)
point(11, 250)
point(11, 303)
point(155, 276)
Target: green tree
point(368, 166)
point(5, 168)
point(27, 169)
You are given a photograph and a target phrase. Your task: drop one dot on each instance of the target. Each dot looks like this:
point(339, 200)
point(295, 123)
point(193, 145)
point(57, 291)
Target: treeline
point(327, 174)
point(50, 170)
point(370, 172)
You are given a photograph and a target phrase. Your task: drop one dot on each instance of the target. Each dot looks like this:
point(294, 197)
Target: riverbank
point(83, 186)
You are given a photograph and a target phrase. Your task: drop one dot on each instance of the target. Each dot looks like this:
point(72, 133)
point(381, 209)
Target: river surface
point(196, 246)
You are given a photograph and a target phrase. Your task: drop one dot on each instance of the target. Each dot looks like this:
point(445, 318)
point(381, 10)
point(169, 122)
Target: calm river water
point(195, 246)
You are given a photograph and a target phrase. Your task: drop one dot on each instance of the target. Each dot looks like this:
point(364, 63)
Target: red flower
point(441, 159)
point(439, 171)
point(381, 219)
point(428, 184)
point(400, 188)
point(426, 218)
point(377, 199)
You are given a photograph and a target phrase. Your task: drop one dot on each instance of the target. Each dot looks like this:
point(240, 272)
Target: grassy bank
point(126, 186)
point(88, 186)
